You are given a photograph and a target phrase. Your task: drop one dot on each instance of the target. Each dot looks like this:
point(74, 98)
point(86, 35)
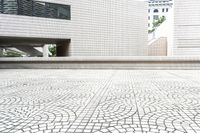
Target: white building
point(157, 9)
point(186, 28)
point(78, 27)
point(181, 29)
point(161, 40)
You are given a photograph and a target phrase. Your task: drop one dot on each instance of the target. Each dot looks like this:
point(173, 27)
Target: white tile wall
point(186, 27)
point(96, 28)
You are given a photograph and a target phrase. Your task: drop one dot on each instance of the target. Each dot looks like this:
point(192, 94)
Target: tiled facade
point(186, 27)
point(96, 28)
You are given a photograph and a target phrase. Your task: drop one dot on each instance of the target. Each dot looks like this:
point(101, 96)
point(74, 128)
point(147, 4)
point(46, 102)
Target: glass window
point(155, 17)
point(38, 9)
point(25, 7)
point(63, 12)
point(1, 6)
point(155, 10)
point(35, 8)
point(51, 10)
point(9, 7)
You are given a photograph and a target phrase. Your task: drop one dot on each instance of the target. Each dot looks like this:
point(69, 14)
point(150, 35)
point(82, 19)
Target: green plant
point(157, 23)
point(150, 31)
point(52, 49)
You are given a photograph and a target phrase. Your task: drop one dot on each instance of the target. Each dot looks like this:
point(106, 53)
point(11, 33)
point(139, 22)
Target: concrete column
point(46, 51)
point(62, 48)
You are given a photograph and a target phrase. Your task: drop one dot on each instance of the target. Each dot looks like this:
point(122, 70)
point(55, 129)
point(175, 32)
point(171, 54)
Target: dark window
point(35, 8)
point(51, 10)
point(9, 7)
point(38, 9)
point(167, 9)
point(63, 12)
point(163, 10)
point(1, 6)
point(25, 7)
point(155, 17)
point(155, 10)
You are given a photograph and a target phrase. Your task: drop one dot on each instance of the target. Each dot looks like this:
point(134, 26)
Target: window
point(149, 10)
point(35, 8)
point(63, 12)
point(163, 10)
point(25, 7)
point(9, 7)
point(155, 11)
point(1, 6)
point(149, 25)
point(155, 17)
point(51, 10)
point(38, 9)
point(167, 9)
point(149, 17)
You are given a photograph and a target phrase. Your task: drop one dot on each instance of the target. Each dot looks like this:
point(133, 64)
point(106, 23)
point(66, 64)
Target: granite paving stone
point(99, 101)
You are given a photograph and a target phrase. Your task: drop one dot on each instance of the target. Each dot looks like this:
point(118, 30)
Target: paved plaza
point(99, 101)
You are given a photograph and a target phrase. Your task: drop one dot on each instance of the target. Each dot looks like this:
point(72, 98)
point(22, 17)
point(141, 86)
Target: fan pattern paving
point(99, 101)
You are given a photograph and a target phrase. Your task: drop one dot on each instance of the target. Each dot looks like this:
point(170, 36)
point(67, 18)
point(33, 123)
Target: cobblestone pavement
point(99, 101)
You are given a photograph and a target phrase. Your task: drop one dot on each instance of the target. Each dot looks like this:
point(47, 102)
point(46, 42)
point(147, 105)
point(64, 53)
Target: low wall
point(158, 47)
point(142, 63)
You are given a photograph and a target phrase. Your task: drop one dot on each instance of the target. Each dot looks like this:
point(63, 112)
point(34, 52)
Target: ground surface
point(99, 101)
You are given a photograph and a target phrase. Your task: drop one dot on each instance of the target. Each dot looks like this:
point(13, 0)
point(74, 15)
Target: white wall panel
point(96, 28)
point(186, 27)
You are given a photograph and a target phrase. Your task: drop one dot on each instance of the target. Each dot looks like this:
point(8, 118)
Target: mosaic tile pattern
point(99, 101)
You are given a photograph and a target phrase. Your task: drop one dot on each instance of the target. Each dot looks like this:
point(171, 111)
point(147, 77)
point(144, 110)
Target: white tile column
point(46, 51)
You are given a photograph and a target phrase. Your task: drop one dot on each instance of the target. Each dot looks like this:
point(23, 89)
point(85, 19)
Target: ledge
point(101, 58)
point(157, 63)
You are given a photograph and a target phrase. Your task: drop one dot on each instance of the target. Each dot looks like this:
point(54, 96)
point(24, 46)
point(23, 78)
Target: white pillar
point(46, 51)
